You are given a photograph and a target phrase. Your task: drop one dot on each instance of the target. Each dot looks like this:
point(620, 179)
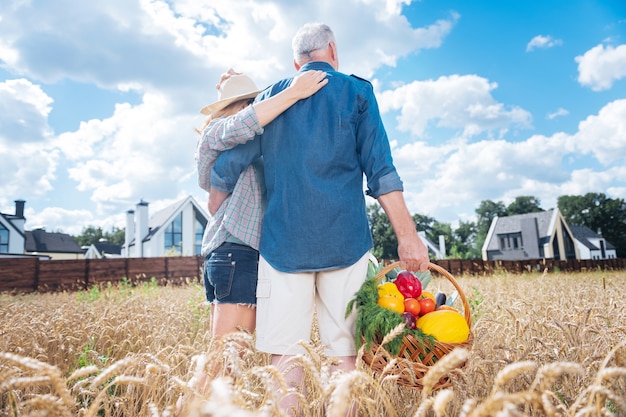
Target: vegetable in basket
point(374, 322)
point(408, 284)
point(445, 326)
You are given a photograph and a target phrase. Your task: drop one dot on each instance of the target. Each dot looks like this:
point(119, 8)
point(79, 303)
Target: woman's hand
point(226, 75)
point(308, 83)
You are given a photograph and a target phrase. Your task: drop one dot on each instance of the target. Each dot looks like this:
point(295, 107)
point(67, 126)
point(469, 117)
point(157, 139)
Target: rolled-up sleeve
point(231, 163)
point(386, 184)
point(223, 134)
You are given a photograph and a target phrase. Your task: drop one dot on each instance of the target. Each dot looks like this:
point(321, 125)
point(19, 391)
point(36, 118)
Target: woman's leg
point(228, 318)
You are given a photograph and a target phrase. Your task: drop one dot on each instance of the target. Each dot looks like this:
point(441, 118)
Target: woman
point(231, 240)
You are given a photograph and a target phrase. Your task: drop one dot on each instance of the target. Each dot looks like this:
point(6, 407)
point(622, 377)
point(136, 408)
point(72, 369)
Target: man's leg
point(285, 306)
point(335, 289)
point(294, 379)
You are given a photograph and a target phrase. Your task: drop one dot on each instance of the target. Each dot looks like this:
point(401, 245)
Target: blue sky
point(482, 100)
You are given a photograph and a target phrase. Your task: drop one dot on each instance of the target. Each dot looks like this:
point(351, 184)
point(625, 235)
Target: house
point(439, 252)
point(540, 235)
point(591, 245)
point(102, 249)
point(175, 230)
point(15, 242)
point(12, 234)
point(54, 245)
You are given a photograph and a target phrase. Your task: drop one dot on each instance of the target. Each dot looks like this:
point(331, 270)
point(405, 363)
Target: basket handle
point(434, 267)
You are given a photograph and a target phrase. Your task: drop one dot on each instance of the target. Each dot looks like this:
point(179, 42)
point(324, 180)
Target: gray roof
point(583, 234)
point(110, 248)
point(39, 240)
point(162, 217)
point(511, 224)
point(514, 224)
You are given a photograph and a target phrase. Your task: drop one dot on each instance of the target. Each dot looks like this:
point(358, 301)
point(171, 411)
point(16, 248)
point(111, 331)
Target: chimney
point(129, 233)
point(141, 227)
point(19, 208)
point(19, 221)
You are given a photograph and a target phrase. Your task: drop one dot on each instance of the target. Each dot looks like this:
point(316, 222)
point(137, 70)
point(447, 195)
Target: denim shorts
point(230, 274)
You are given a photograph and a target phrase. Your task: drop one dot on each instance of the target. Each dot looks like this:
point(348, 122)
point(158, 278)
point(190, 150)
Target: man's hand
point(216, 198)
point(412, 252)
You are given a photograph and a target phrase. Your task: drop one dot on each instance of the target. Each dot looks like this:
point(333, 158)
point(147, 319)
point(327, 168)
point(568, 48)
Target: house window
point(511, 241)
point(174, 235)
point(200, 225)
point(4, 239)
point(199, 233)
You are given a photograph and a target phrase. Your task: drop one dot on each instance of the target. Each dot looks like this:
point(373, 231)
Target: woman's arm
point(303, 85)
point(230, 131)
point(225, 136)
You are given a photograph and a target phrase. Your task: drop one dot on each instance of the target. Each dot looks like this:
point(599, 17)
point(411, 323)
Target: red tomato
point(426, 305)
point(411, 305)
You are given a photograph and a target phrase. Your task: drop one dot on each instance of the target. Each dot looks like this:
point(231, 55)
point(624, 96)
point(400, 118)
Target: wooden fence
point(459, 267)
point(23, 275)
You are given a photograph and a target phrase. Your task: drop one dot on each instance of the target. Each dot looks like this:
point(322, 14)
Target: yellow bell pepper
point(390, 289)
point(391, 303)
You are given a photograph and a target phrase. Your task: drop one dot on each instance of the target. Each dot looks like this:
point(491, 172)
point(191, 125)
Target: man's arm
point(411, 250)
point(228, 167)
point(216, 198)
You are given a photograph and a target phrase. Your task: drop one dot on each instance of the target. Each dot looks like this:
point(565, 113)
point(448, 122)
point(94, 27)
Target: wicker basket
point(409, 368)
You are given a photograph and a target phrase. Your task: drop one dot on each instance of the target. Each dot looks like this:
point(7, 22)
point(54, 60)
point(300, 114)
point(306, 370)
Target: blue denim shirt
point(315, 156)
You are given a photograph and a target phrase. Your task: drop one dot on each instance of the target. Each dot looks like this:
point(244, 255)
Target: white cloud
point(74, 220)
point(170, 53)
point(24, 109)
point(604, 135)
point(558, 113)
point(139, 149)
point(449, 181)
point(458, 102)
point(29, 161)
point(601, 66)
point(544, 42)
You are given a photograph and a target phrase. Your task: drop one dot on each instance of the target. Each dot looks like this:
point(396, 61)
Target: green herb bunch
point(373, 322)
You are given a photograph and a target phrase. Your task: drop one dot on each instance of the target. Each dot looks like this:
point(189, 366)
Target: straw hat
point(235, 88)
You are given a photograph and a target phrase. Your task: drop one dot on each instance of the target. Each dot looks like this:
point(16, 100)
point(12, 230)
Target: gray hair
point(311, 37)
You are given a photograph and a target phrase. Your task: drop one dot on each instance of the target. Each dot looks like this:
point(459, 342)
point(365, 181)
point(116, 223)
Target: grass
point(544, 345)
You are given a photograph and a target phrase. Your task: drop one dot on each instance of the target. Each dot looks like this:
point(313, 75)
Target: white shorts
point(286, 303)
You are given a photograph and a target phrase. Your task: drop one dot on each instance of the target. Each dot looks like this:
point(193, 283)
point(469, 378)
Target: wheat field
point(544, 345)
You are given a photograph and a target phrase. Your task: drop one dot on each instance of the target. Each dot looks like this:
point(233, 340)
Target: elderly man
point(316, 238)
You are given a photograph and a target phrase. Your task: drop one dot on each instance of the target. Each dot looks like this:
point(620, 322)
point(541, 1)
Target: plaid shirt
point(241, 214)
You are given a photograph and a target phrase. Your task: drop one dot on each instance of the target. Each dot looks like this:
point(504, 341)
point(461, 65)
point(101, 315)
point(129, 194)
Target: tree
point(424, 224)
point(487, 211)
point(116, 237)
point(601, 214)
point(463, 242)
point(93, 234)
point(385, 241)
point(523, 205)
point(90, 235)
